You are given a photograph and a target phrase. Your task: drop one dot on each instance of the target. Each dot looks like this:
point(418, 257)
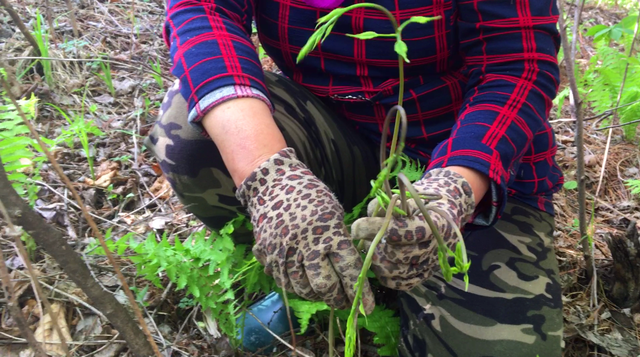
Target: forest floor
point(129, 193)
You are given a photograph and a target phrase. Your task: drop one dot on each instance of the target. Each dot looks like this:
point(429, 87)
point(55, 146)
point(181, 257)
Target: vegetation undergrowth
point(602, 80)
point(223, 278)
point(20, 153)
point(218, 271)
point(79, 129)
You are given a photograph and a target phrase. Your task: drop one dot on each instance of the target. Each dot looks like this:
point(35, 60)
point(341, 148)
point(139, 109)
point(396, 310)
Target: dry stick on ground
point(25, 32)
point(49, 16)
point(576, 111)
point(90, 221)
point(49, 238)
point(72, 18)
point(16, 232)
point(16, 313)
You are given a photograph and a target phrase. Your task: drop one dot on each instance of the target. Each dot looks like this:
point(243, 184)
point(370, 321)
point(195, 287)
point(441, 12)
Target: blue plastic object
point(270, 311)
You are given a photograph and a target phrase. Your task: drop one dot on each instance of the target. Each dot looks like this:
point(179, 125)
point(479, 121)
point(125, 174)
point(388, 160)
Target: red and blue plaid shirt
point(478, 89)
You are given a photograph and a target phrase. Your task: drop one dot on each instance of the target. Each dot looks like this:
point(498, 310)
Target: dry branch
point(25, 32)
point(72, 18)
point(22, 252)
point(576, 112)
point(85, 213)
point(53, 242)
point(16, 313)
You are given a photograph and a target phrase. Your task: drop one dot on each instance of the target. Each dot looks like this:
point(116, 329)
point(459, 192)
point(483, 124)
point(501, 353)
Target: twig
point(332, 337)
point(49, 16)
point(293, 334)
point(576, 22)
point(72, 18)
point(103, 347)
point(576, 111)
point(276, 336)
point(16, 232)
point(66, 199)
point(619, 125)
point(86, 343)
point(88, 218)
point(74, 298)
point(141, 65)
point(185, 323)
point(609, 112)
point(25, 32)
point(17, 315)
point(162, 298)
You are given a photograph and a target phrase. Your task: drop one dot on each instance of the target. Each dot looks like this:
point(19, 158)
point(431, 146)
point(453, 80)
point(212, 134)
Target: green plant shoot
point(324, 26)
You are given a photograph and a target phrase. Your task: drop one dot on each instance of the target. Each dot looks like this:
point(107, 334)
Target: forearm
point(245, 133)
point(479, 182)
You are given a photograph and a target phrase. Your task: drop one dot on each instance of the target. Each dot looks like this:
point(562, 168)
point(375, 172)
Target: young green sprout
point(381, 188)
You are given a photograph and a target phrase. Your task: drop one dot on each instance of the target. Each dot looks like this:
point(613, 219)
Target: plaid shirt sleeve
point(509, 49)
point(212, 52)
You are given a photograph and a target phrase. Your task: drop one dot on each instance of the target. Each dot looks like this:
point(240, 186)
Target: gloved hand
point(408, 253)
point(301, 238)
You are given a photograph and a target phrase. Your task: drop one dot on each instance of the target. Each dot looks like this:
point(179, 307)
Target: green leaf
point(365, 35)
point(401, 49)
point(311, 44)
point(423, 19)
point(616, 33)
point(194, 290)
point(304, 310)
point(182, 281)
point(571, 185)
point(595, 29)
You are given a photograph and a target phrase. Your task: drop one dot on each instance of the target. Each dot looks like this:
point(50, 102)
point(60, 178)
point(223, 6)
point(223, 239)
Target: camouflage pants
point(513, 305)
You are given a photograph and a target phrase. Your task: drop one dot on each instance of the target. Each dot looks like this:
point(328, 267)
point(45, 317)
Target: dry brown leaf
point(129, 218)
point(46, 332)
point(105, 174)
point(161, 188)
point(31, 311)
point(28, 168)
point(20, 285)
point(590, 160)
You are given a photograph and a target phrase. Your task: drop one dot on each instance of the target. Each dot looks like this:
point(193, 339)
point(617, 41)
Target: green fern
point(305, 310)
point(206, 266)
point(18, 150)
point(634, 186)
point(604, 78)
point(384, 324)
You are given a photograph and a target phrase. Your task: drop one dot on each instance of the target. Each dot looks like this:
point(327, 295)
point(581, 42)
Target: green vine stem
point(381, 188)
point(357, 300)
point(401, 118)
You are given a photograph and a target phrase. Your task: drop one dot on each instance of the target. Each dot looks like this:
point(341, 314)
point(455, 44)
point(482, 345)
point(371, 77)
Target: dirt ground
point(129, 194)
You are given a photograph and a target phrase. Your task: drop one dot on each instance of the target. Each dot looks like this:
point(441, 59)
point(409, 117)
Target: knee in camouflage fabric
point(193, 165)
point(513, 306)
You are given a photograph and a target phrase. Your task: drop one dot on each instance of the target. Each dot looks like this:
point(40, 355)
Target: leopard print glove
point(300, 235)
point(408, 253)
